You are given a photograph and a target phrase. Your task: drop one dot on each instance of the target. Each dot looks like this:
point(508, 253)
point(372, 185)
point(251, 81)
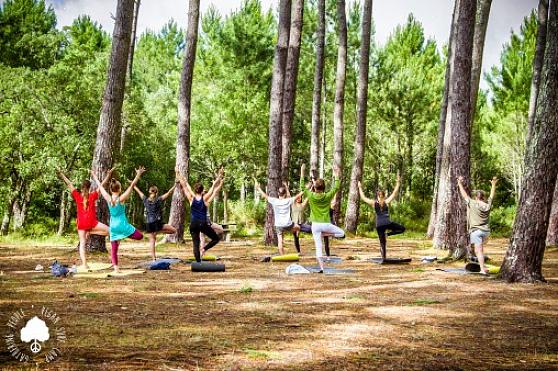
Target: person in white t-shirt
point(281, 213)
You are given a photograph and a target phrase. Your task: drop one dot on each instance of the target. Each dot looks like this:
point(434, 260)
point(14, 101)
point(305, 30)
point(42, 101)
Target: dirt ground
point(254, 316)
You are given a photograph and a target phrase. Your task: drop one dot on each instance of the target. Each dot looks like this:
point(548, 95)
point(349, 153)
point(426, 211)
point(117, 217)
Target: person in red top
point(87, 222)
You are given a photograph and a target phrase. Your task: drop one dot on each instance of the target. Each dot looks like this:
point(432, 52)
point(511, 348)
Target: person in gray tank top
point(381, 208)
point(478, 213)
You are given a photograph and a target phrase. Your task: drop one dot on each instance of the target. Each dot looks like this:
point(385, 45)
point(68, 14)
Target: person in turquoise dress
point(119, 227)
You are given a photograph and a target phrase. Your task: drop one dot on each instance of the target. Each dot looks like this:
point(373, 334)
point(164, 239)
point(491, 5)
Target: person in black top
point(381, 207)
point(154, 214)
point(198, 212)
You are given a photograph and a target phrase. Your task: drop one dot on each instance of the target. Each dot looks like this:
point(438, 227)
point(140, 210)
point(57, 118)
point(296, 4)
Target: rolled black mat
point(207, 267)
point(391, 260)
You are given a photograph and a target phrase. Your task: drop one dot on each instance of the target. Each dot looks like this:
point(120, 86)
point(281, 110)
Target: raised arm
point(299, 194)
point(186, 189)
point(286, 185)
point(302, 186)
point(462, 189)
point(494, 181)
point(124, 196)
point(66, 180)
point(335, 186)
point(215, 192)
point(170, 191)
point(395, 190)
point(102, 189)
point(107, 177)
point(139, 192)
point(363, 197)
point(258, 188)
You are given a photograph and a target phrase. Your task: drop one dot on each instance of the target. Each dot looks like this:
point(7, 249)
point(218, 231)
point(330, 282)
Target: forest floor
point(254, 316)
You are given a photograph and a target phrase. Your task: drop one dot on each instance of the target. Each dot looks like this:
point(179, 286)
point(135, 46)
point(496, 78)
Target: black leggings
point(197, 226)
point(394, 228)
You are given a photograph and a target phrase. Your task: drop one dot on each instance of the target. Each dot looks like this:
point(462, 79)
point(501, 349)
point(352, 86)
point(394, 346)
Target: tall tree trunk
point(317, 93)
point(324, 130)
point(451, 227)
point(111, 112)
point(523, 260)
point(177, 211)
point(5, 227)
point(538, 60)
point(124, 129)
point(20, 209)
point(63, 212)
point(289, 87)
point(225, 207)
point(481, 23)
point(351, 217)
point(442, 124)
point(275, 109)
point(552, 233)
point(339, 108)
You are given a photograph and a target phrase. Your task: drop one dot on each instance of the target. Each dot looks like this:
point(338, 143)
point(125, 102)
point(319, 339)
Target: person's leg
point(152, 239)
point(317, 235)
point(280, 242)
point(168, 229)
point(195, 233)
point(209, 232)
point(382, 236)
point(296, 241)
point(480, 256)
point(202, 242)
point(100, 229)
point(326, 245)
point(395, 228)
point(114, 254)
point(137, 235)
point(82, 254)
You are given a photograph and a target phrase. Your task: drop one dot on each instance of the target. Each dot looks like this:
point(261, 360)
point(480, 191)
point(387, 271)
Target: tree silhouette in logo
point(35, 330)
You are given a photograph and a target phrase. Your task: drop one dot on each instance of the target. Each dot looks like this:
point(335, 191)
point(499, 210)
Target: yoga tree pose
point(87, 222)
point(381, 208)
point(319, 202)
point(281, 212)
point(478, 213)
point(119, 226)
point(154, 214)
point(199, 203)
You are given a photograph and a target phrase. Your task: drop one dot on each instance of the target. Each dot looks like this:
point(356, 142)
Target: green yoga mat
point(285, 258)
point(206, 257)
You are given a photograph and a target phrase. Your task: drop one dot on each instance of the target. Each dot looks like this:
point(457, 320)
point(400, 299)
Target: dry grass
point(254, 316)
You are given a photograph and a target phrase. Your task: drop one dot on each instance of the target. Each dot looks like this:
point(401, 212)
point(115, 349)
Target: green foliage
point(28, 37)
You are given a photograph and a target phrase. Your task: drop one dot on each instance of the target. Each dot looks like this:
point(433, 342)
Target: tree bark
point(324, 130)
point(523, 260)
point(552, 233)
point(481, 23)
point(451, 226)
point(538, 60)
point(351, 217)
point(442, 124)
point(291, 74)
point(317, 93)
point(339, 108)
point(124, 129)
point(111, 112)
point(177, 211)
point(63, 211)
point(275, 110)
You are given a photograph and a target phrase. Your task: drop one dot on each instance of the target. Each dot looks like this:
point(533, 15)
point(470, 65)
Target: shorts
point(280, 230)
point(477, 236)
point(154, 227)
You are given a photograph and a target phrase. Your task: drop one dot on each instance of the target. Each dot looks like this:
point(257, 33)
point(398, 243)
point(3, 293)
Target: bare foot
point(84, 267)
point(116, 269)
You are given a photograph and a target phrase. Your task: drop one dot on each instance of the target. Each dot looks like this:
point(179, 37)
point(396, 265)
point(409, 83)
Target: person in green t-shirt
point(319, 202)
point(478, 213)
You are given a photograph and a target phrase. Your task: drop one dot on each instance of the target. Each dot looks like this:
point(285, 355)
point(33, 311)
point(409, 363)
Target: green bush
point(501, 220)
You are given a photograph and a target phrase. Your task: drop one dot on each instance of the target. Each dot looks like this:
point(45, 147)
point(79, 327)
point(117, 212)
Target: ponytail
point(85, 186)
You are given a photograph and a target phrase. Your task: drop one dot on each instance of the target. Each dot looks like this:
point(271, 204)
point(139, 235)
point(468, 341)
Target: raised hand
point(494, 181)
point(460, 179)
point(140, 170)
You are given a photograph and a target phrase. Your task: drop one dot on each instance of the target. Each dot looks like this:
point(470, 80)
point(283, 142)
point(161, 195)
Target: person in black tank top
point(381, 208)
point(199, 203)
